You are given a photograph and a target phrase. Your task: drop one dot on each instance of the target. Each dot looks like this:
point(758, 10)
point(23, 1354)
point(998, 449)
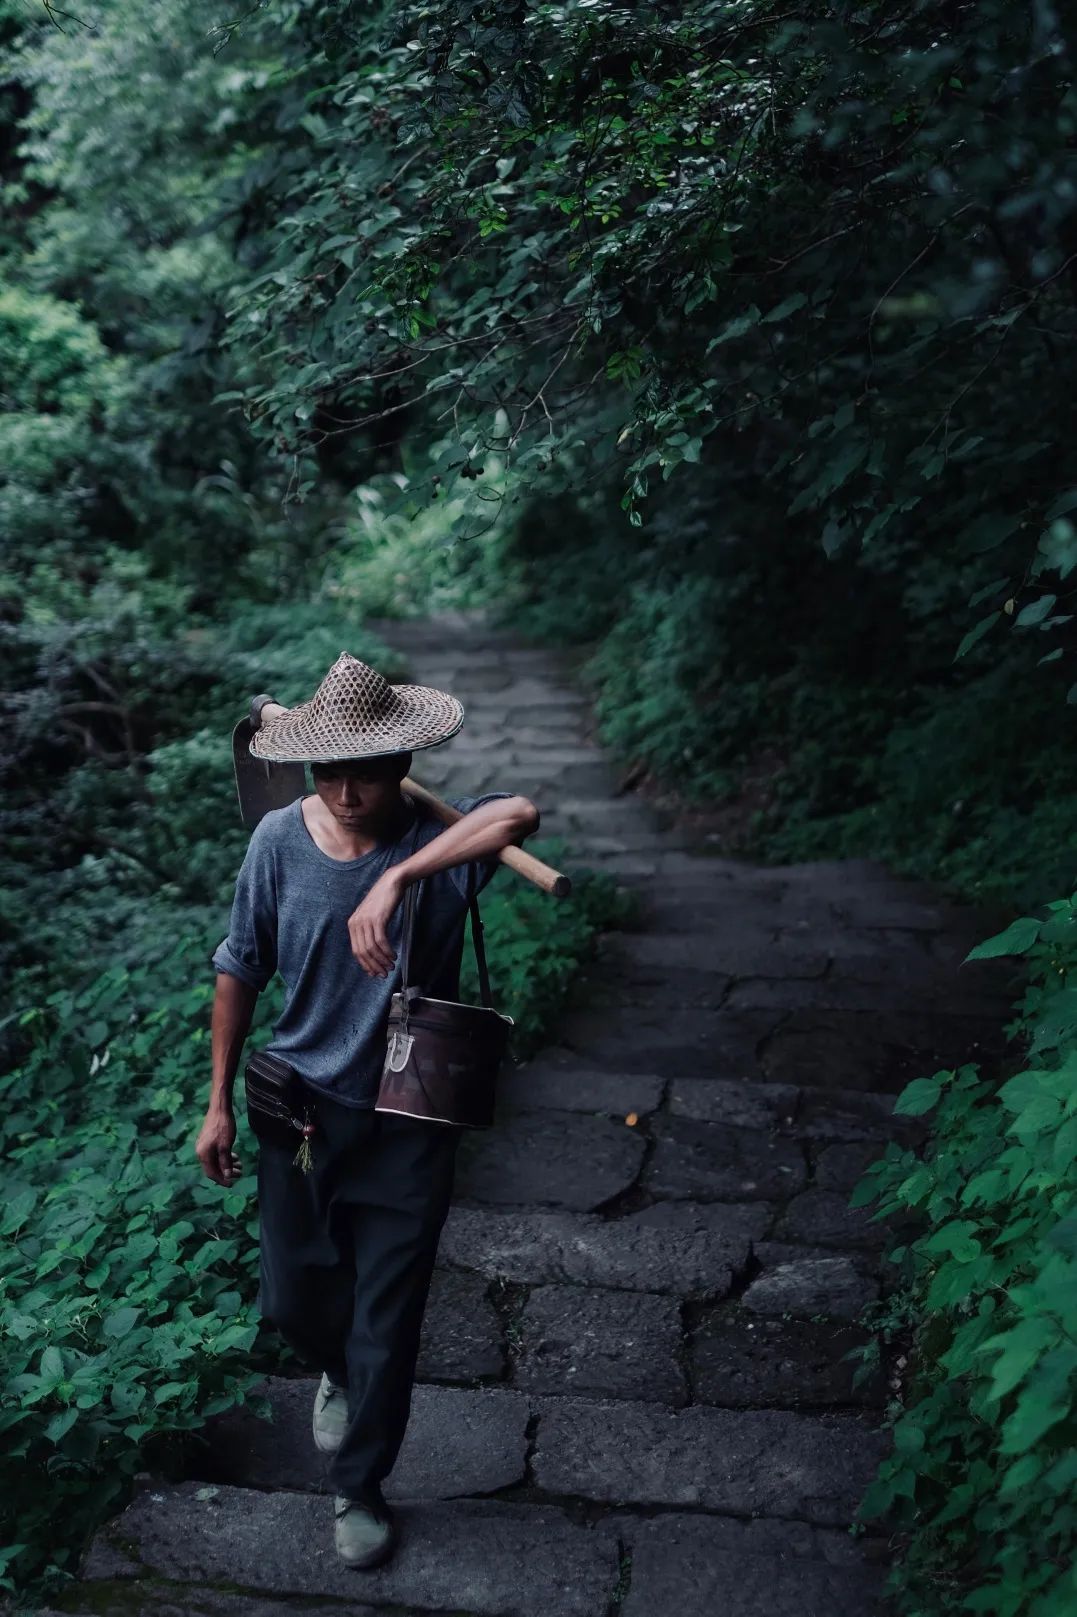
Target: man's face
point(361, 793)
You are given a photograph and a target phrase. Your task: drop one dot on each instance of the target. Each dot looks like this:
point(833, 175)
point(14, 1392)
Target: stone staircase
point(635, 1397)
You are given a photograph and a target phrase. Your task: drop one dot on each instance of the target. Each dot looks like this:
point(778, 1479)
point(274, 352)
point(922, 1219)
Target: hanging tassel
point(304, 1157)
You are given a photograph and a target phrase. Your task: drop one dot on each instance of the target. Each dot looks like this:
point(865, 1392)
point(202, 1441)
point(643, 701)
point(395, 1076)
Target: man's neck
point(340, 843)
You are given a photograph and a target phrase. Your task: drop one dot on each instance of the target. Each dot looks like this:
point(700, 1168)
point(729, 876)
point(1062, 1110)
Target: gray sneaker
point(330, 1416)
point(365, 1532)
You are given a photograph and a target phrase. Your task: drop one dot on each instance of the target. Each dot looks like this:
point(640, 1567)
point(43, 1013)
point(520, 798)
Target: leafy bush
point(982, 1480)
point(127, 1276)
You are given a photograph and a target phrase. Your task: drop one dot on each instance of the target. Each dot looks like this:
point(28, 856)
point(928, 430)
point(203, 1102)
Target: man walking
point(347, 1250)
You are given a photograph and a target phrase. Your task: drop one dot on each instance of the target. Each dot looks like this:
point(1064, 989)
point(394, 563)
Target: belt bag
point(278, 1106)
point(442, 1059)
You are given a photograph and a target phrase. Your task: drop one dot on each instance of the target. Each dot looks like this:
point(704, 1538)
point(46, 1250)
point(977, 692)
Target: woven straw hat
point(356, 713)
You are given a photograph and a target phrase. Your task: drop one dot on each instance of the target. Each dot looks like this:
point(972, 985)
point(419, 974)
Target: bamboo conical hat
point(356, 713)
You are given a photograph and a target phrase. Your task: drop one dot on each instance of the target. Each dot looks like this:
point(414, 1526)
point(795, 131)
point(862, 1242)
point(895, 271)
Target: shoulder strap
point(480, 954)
point(410, 898)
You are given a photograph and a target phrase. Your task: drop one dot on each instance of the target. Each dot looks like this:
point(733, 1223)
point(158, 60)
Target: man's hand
point(367, 926)
point(214, 1146)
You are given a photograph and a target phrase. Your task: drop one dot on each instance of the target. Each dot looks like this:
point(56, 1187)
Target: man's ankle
point(369, 1496)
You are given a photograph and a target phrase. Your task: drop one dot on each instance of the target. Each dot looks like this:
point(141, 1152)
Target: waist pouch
point(278, 1105)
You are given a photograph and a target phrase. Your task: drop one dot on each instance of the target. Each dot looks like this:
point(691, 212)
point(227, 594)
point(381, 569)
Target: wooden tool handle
point(525, 864)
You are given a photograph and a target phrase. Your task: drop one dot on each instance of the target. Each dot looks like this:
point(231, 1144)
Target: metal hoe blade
point(261, 785)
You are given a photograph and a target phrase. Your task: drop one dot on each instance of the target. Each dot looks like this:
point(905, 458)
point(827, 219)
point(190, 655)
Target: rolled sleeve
point(249, 951)
point(470, 878)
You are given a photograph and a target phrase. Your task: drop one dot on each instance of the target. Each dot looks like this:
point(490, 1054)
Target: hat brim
point(422, 717)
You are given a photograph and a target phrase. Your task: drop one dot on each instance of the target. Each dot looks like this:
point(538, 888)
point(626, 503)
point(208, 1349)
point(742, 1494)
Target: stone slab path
point(635, 1397)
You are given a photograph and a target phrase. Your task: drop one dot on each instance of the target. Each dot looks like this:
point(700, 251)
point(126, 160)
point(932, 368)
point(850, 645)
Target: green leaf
point(1035, 612)
point(121, 1321)
point(52, 1364)
point(918, 1097)
point(1017, 1351)
point(60, 1424)
point(988, 531)
point(988, 590)
point(1018, 938)
point(171, 1390)
point(1058, 548)
point(976, 634)
point(1065, 502)
point(736, 328)
point(787, 307)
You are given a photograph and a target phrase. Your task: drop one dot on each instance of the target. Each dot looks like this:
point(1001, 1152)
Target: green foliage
point(823, 690)
point(611, 230)
point(981, 1478)
point(128, 1278)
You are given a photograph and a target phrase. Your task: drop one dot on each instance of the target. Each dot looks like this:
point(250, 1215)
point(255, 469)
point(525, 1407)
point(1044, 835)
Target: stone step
point(828, 1119)
point(539, 1087)
point(629, 1253)
point(726, 952)
point(637, 842)
point(808, 1288)
point(693, 1565)
point(878, 1051)
point(151, 1597)
point(694, 1161)
point(549, 1159)
point(741, 1360)
point(486, 1558)
point(807, 1112)
point(468, 752)
point(596, 1342)
point(698, 1566)
point(824, 1218)
point(939, 998)
point(460, 1441)
point(836, 1050)
point(546, 782)
point(728, 1221)
point(620, 815)
point(746, 1463)
point(696, 1042)
point(664, 995)
point(462, 1337)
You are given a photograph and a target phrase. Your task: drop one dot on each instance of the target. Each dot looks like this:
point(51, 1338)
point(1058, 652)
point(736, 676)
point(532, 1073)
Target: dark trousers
point(347, 1254)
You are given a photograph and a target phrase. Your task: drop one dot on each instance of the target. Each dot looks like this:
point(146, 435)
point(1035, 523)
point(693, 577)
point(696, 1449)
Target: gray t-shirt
point(290, 914)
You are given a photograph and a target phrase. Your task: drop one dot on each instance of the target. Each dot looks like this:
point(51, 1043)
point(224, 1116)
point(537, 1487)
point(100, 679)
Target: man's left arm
point(480, 834)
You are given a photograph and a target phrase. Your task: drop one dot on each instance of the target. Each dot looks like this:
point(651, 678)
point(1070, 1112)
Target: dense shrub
point(982, 1481)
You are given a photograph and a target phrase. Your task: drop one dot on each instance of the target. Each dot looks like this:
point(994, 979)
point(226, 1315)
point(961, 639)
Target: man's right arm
point(245, 961)
point(233, 1011)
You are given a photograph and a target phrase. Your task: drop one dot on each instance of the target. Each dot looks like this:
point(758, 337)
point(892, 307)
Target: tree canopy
point(838, 243)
